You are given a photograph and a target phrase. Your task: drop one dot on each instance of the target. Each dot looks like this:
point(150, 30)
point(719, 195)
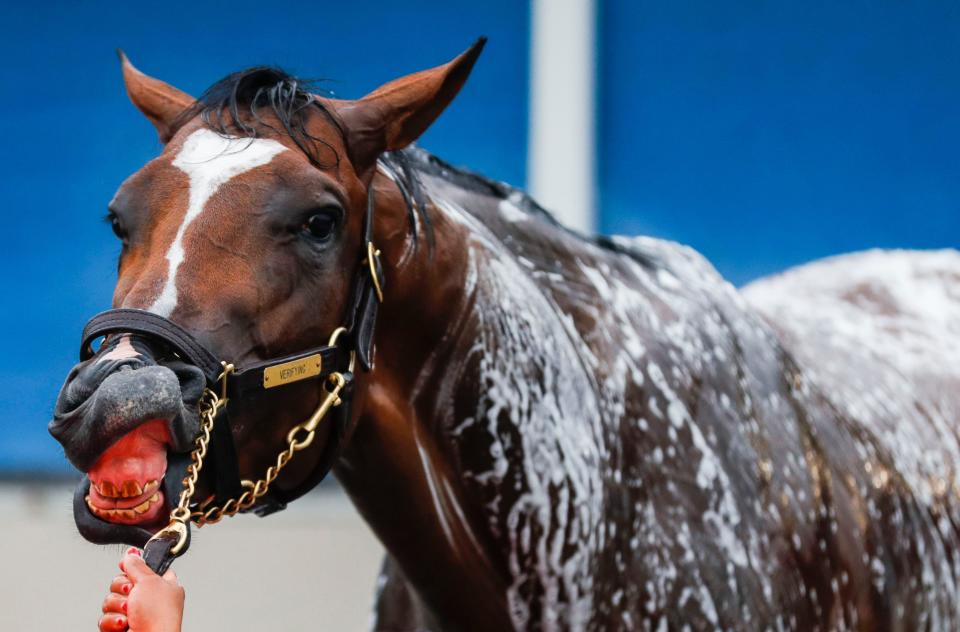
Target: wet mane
point(425, 162)
point(235, 106)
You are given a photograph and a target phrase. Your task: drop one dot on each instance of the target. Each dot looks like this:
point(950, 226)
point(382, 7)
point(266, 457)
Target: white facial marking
point(210, 160)
point(122, 351)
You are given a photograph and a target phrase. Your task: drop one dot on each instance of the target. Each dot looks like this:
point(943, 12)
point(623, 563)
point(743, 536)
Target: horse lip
point(98, 531)
point(121, 402)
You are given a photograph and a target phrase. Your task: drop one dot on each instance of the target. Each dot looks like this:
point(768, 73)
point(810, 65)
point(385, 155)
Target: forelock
point(263, 101)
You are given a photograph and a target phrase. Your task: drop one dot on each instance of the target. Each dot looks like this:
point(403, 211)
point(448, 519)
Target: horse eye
point(320, 225)
point(117, 227)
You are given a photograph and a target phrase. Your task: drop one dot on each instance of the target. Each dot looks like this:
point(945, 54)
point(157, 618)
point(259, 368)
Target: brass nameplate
point(292, 371)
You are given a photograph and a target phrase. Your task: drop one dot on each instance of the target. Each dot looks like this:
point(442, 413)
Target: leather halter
point(357, 339)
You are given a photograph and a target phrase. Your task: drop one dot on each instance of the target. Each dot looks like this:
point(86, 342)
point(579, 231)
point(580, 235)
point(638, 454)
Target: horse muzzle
point(128, 422)
point(125, 411)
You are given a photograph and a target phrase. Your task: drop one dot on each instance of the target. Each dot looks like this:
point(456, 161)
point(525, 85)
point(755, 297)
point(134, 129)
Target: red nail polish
point(123, 606)
point(126, 589)
point(121, 623)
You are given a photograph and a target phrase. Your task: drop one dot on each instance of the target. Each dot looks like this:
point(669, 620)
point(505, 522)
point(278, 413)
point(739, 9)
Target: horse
point(550, 431)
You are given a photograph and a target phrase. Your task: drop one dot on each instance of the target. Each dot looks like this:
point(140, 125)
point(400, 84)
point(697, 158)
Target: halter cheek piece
point(332, 365)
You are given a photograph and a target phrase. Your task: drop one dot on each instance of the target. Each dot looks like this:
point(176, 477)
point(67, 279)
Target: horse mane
point(234, 106)
point(425, 162)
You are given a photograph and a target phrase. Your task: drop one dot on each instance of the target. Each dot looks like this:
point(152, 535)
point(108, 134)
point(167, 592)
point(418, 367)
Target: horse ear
point(397, 113)
point(160, 102)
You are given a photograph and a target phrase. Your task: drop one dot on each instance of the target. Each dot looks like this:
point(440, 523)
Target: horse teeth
point(130, 489)
point(128, 514)
point(142, 507)
point(127, 489)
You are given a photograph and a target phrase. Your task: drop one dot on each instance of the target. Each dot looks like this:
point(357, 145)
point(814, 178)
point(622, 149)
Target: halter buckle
point(228, 370)
point(375, 269)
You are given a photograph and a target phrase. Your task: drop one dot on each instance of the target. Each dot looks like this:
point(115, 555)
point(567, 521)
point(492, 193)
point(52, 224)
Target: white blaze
point(122, 351)
point(210, 160)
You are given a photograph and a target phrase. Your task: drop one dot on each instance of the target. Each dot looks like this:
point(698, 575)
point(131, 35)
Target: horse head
point(247, 231)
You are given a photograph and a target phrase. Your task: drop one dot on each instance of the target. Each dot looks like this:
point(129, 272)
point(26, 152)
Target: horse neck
point(397, 467)
point(492, 428)
point(481, 419)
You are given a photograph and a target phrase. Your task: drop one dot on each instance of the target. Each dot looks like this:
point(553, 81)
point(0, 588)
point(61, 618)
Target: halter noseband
point(332, 362)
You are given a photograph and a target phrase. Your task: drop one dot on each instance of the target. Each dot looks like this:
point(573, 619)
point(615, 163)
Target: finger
point(112, 622)
point(136, 569)
point(115, 603)
point(131, 551)
point(121, 585)
point(171, 577)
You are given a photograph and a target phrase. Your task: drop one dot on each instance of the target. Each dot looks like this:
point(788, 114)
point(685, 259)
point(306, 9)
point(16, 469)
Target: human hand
point(142, 601)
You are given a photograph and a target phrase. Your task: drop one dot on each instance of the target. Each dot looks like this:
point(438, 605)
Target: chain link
point(209, 407)
point(299, 438)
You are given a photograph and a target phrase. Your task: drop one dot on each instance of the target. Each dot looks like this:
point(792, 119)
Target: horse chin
point(125, 497)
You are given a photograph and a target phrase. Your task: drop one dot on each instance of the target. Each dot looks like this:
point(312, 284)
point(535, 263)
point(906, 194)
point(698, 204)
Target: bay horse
point(556, 432)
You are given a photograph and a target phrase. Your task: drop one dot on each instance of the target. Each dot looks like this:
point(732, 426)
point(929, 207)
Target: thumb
point(170, 576)
point(136, 569)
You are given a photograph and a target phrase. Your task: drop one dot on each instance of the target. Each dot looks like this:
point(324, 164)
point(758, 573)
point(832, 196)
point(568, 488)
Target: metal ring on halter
point(373, 263)
point(333, 342)
point(177, 528)
point(228, 370)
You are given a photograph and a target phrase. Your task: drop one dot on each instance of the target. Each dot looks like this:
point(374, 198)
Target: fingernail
point(126, 589)
point(121, 622)
point(133, 551)
point(123, 606)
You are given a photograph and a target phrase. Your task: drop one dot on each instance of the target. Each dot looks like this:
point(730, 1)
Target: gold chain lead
point(299, 438)
point(254, 490)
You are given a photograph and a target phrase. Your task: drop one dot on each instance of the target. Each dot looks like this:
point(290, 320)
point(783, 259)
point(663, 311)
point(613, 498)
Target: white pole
point(560, 163)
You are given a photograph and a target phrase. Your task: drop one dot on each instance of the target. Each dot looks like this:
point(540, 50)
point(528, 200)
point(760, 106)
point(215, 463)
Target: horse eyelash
point(108, 218)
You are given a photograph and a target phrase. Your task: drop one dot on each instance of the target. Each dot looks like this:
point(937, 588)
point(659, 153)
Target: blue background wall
point(763, 134)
